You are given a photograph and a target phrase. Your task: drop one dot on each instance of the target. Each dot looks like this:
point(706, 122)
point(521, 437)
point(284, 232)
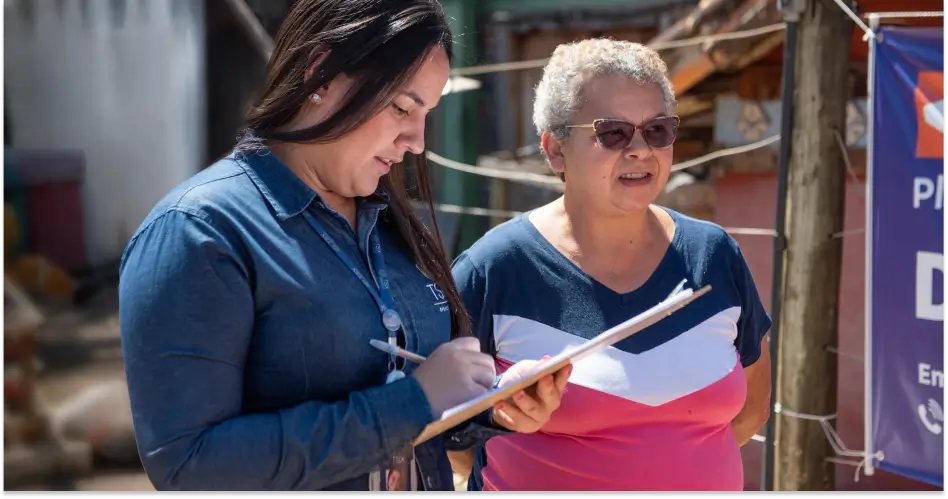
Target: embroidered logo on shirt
point(436, 293)
point(438, 296)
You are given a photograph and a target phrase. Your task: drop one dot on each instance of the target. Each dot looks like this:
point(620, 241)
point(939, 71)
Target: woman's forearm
point(747, 424)
point(309, 447)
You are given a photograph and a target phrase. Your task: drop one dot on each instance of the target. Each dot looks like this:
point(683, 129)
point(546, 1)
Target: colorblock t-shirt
point(652, 412)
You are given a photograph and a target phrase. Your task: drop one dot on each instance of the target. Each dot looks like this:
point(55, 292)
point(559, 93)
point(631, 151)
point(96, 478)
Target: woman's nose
point(413, 140)
point(637, 147)
point(417, 146)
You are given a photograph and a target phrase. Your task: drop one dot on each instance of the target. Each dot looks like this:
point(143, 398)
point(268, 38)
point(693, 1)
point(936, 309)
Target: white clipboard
point(460, 413)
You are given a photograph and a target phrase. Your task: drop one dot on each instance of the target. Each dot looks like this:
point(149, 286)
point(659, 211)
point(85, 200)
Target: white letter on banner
point(940, 192)
point(922, 189)
point(926, 264)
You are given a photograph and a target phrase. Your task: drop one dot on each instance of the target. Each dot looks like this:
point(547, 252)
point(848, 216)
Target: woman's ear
point(318, 56)
point(553, 150)
point(322, 96)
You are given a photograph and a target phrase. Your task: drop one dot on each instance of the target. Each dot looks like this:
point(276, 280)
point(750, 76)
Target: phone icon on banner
point(932, 416)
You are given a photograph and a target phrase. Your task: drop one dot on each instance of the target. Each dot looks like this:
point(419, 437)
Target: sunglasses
point(615, 135)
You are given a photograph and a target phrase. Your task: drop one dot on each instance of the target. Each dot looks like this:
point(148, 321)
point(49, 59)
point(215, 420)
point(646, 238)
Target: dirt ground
point(57, 388)
point(79, 348)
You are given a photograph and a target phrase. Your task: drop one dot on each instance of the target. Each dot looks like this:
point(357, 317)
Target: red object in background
point(53, 183)
point(13, 393)
point(12, 349)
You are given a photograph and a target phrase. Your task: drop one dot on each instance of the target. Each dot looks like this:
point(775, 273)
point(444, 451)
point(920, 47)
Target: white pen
point(678, 288)
point(396, 351)
point(405, 354)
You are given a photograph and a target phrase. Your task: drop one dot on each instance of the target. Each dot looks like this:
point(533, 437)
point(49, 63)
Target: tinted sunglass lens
point(614, 134)
point(660, 133)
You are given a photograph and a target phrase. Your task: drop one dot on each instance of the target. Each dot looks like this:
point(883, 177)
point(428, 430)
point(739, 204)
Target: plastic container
point(51, 183)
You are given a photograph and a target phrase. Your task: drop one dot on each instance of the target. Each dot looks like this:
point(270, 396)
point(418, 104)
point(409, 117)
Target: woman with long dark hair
point(250, 294)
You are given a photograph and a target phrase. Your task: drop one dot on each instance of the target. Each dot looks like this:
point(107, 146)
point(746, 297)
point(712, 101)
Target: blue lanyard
point(383, 295)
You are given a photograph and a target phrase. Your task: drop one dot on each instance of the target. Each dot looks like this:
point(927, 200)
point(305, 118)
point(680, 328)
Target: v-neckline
point(653, 279)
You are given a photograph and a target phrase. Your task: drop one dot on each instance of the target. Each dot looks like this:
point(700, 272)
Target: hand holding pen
point(454, 373)
point(527, 410)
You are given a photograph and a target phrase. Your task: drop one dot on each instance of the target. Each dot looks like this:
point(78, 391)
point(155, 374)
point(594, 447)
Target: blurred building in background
point(115, 90)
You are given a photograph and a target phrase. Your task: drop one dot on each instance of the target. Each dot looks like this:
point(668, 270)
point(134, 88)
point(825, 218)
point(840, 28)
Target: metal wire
point(859, 22)
point(896, 15)
point(686, 42)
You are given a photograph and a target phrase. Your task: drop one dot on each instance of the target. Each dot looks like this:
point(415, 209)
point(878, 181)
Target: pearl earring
point(316, 98)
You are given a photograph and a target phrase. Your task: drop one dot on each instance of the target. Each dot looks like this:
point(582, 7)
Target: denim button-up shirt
point(246, 339)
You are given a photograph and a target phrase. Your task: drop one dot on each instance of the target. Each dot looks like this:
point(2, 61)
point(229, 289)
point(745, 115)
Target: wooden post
point(816, 190)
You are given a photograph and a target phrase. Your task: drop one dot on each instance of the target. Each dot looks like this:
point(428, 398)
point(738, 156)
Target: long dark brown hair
point(380, 44)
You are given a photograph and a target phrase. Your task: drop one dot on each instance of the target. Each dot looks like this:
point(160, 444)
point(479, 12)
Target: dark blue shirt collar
point(286, 193)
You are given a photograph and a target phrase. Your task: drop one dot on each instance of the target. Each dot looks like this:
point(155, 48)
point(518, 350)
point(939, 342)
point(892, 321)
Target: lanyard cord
point(382, 295)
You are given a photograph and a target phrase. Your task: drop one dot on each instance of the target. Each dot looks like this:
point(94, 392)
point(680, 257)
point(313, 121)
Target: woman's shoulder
point(213, 187)
point(697, 236)
point(502, 245)
point(708, 251)
point(221, 188)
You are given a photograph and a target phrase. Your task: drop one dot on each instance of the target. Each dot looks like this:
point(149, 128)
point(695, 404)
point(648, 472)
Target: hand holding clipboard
point(462, 412)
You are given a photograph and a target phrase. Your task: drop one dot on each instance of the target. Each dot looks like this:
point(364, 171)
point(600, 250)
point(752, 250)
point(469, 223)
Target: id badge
point(396, 474)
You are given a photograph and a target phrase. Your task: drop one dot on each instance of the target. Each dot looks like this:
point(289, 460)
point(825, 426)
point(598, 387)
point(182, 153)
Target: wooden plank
point(686, 26)
point(691, 65)
point(716, 84)
point(732, 55)
point(764, 46)
point(702, 120)
point(691, 70)
point(690, 105)
point(761, 82)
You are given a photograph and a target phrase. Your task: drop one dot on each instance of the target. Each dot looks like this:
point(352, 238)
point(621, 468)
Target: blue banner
point(906, 274)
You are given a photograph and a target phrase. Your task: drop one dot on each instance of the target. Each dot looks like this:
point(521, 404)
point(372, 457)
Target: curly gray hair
point(573, 65)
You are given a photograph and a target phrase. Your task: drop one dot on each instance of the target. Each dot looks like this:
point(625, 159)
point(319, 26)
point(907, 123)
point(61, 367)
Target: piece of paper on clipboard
point(460, 413)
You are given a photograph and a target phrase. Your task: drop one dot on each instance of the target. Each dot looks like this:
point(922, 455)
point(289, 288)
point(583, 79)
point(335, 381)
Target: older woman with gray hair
point(669, 407)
